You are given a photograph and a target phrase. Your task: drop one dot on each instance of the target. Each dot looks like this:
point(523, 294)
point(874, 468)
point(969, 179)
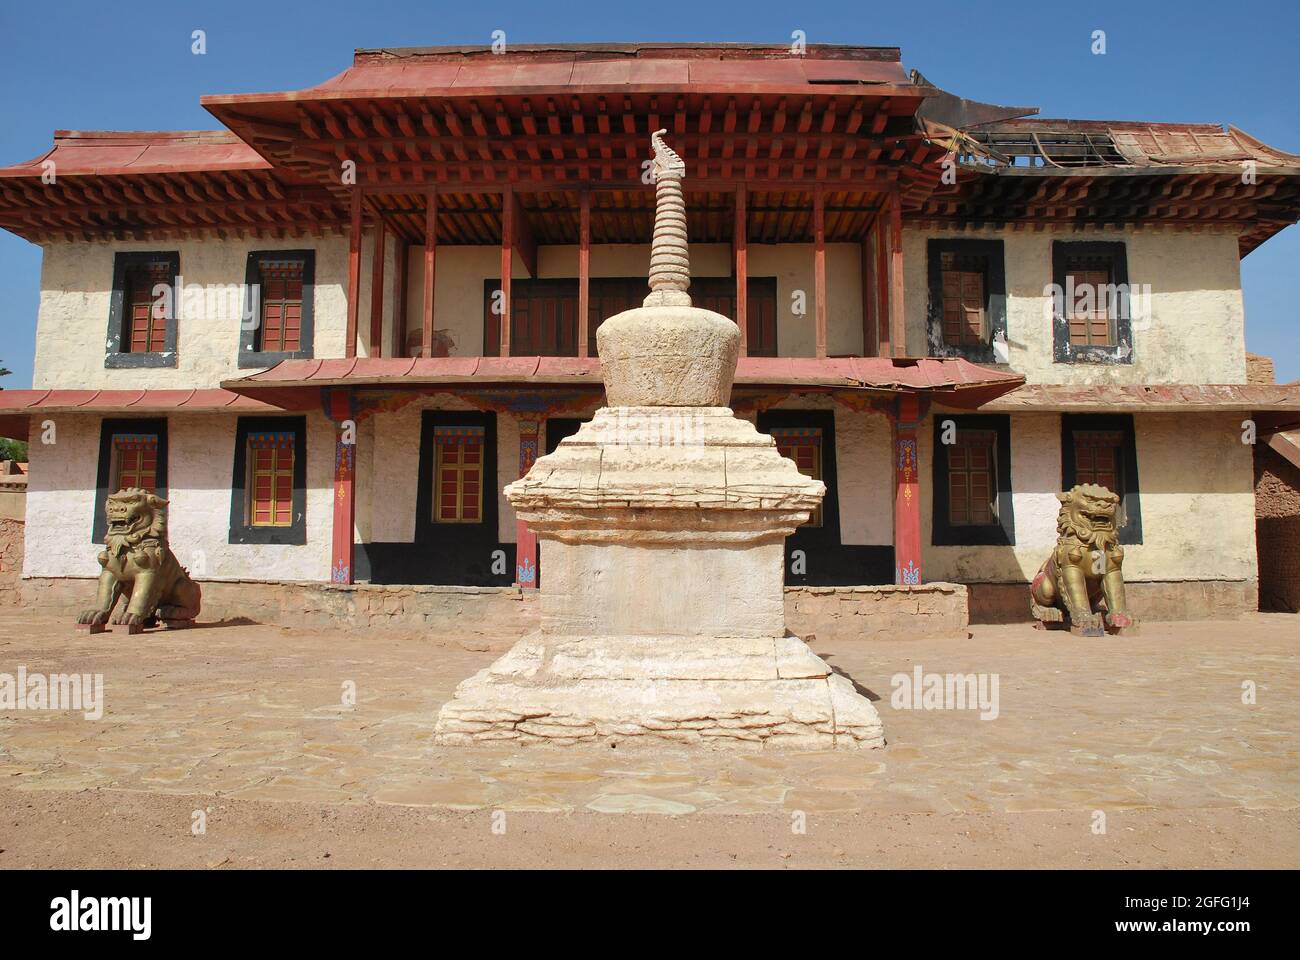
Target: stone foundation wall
point(506, 613)
point(877, 612)
point(11, 559)
point(460, 612)
point(1147, 600)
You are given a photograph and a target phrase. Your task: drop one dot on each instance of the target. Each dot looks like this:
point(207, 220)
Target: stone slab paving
point(252, 711)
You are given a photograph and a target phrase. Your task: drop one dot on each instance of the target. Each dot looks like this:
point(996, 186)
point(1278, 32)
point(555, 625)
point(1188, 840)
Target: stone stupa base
point(729, 692)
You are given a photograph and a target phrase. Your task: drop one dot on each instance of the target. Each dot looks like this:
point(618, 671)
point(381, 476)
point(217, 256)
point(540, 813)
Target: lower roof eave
point(1148, 398)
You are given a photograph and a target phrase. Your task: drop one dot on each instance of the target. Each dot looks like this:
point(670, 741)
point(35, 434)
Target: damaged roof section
point(1059, 144)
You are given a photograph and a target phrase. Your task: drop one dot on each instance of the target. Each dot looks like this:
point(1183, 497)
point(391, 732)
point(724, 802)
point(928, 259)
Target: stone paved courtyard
point(1150, 729)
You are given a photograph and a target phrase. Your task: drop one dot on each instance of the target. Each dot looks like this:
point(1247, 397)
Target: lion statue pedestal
point(139, 565)
point(1085, 570)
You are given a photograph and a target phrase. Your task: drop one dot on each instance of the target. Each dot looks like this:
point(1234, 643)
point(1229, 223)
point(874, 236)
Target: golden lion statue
point(1085, 568)
point(139, 565)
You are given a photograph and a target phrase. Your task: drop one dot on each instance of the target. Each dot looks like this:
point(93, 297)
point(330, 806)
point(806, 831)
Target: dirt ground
point(246, 731)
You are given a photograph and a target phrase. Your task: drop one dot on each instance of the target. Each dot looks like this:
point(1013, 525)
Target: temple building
point(330, 332)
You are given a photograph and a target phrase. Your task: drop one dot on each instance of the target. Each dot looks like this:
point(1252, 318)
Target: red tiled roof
point(16, 406)
point(861, 372)
point(119, 152)
point(577, 68)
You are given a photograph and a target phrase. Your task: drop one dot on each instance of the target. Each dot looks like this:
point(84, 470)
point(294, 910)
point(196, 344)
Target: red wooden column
point(345, 471)
point(507, 262)
point(525, 539)
point(354, 275)
point(884, 344)
point(740, 243)
point(907, 492)
point(897, 321)
point(376, 345)
point(430, 255)
point(584, 273)
point(397, 346)
point(870, 340)
point(819, 266)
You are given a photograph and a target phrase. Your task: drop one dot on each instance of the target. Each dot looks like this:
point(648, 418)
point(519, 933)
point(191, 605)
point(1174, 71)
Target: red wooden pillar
point(430, 264)
point(884, 341)
point(740, 243)
point(345, 471)
point(819, 266)
point(907, 492)
point(897, 320)
point(507, 263)
point(525, 539)
point(376, 345)
point(584, 273)
point(354, 275)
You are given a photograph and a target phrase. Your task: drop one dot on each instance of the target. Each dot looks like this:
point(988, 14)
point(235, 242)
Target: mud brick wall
point(1147, 600)
point(1277, 530)
point(496, 616)
point(877, 612)
point(11, 559)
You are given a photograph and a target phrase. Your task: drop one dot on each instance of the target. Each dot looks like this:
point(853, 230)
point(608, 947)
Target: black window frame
point(1122, 423)
point(427, 530)
point(115, 357)
point(943, 533)
point(243, 532)
point(107, 429)
point(1062, 350)
point(995, 296)
point(251, 353)
point(827, 536)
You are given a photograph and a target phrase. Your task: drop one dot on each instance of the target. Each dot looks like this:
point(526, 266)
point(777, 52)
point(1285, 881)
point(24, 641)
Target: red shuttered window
point(972, 479)
point(458, 474)
point(1088, 307)
point(803, 445)
point(146, 313)
point(136, 461)
point(282, 287)
point(270, 479)
point(963, 300)
point(1098, 458)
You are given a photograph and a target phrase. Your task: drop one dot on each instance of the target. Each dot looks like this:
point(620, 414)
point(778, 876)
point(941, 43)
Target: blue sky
point(127, 65)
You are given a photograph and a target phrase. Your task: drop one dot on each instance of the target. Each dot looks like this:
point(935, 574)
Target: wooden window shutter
point(458, 474)
point(803, 445)
point(270, 486)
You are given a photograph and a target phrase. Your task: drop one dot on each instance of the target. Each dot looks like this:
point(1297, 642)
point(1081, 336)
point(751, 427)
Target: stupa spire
point(670, 257)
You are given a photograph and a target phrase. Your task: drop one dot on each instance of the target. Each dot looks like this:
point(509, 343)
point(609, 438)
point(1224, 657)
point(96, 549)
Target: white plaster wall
point(461, 271)
point(200, 461)
point(864, 469)
point(1193, 333)
point(392, 485)
point(76, 286)
point(1198, 522)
